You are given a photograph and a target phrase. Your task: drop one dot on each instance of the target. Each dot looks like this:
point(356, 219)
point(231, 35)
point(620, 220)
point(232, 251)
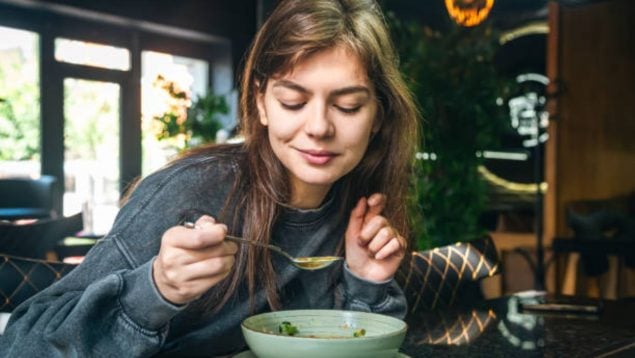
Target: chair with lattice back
point(36, 239)
point(21, 278)
point(440, 277)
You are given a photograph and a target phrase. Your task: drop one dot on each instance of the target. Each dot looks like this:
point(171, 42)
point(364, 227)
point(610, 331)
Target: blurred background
point(528, 115)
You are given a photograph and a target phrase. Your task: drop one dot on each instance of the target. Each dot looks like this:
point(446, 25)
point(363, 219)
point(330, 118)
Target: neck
point(308, 196)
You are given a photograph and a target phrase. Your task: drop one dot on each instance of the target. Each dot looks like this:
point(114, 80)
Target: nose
point(318, 124)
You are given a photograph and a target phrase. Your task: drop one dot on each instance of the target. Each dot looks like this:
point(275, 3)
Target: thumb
point(356, 221)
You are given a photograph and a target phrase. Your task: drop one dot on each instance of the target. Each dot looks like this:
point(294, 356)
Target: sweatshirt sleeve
point(109, 306)
point(101, 318)
point(358, 294)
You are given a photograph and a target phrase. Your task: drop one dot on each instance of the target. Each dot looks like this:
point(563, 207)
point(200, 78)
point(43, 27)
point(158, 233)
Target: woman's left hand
point(374, 249)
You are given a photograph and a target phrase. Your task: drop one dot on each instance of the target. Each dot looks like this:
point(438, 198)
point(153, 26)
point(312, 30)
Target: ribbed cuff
point(142, 301)
point(370, 292)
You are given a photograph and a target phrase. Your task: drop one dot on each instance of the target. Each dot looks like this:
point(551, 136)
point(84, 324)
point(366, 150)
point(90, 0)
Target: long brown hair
point(295, 30)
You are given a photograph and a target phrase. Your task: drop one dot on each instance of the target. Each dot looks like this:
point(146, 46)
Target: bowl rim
point(404, 326)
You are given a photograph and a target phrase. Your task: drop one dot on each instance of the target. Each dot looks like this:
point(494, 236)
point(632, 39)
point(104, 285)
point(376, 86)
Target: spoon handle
point(240, 240)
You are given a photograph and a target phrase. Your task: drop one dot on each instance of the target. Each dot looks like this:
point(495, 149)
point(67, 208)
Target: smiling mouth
point(317, 157)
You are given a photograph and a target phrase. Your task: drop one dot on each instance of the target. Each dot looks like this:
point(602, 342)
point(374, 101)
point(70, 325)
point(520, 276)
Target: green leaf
point(454, 80)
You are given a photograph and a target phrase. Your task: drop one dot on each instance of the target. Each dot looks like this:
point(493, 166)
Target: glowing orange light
point(468, 12)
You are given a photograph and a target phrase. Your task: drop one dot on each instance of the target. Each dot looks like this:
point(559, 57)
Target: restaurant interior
point(96, 95)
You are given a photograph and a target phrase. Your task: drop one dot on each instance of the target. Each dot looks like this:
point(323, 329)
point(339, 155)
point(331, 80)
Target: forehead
point(338, 65)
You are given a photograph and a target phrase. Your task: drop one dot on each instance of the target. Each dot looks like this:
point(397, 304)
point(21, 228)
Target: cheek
point(357, 134)
point(281, 126)
point(355, 143)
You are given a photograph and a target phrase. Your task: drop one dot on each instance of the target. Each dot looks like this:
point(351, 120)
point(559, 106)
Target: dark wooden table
point(502, 328)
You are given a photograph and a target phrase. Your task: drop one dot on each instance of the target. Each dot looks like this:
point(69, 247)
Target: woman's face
point(320, 117)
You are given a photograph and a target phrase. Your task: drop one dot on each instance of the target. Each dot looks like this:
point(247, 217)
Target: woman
point(329, 133)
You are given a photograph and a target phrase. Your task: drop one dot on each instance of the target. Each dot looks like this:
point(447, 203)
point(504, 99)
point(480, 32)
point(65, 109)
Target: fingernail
point(189, 225)
point(374, 200)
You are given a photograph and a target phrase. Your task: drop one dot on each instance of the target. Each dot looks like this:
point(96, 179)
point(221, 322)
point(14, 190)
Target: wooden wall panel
point(591, 154)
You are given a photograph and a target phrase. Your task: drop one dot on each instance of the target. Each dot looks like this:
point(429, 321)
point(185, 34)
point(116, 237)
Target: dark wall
point(216, 17)
point(505, 14)
point(234, 20)
point(237, 20)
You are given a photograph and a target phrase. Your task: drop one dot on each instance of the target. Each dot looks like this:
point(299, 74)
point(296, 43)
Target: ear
point(260, 103)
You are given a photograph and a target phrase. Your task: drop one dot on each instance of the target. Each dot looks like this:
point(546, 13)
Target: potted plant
point(460, 93)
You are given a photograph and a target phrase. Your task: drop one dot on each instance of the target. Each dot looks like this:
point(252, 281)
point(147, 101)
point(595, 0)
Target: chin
point(322, 179)
point(319, 181)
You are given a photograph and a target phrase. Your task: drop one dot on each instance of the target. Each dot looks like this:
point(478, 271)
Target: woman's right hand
point(192, 260)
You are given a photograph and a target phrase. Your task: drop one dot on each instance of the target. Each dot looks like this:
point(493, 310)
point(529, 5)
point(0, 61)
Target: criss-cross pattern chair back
point(21, 278)
point(435, 278)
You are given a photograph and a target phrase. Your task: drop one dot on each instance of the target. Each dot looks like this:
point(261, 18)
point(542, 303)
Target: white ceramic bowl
point(324, 333)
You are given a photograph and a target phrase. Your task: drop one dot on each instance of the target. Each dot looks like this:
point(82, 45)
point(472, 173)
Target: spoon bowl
point(310, 263)
point(315, 262)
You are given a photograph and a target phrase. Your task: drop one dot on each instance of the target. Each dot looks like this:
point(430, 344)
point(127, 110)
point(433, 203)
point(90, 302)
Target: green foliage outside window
point(19, 113)
point(194, 122)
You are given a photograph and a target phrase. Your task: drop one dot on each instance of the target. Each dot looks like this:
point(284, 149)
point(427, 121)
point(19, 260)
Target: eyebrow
point(338, 92)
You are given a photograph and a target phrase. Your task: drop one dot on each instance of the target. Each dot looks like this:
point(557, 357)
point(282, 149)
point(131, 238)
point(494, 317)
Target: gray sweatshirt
point(109, 306)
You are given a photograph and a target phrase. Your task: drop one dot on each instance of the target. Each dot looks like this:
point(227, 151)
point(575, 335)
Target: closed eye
point(348, 110)
point(293, 107)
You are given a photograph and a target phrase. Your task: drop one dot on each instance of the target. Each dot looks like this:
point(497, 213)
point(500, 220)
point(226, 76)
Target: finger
point(188, 256)
point(380, 240)
point(376, 204)
point(371, 228)
point(223, 248)
point(210, 268)
point(204, 234)
point(205, 220)
point(229, 248)
point(176, 264)
point(357, 214)
point(393, 247)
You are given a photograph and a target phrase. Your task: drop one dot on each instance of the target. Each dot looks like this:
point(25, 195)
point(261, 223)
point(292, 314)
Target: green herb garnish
point(287, 329)
point(359, 332)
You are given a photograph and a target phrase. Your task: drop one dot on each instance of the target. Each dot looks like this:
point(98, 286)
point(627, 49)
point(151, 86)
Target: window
point(92, 54)
point(91, 155)
point(186, 75)
point(19, 103)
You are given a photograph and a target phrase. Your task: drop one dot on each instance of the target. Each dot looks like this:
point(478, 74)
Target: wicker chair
point(21, 278)
point(445, 276)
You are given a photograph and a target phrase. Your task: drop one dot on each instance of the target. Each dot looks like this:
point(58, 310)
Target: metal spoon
point(310, 263)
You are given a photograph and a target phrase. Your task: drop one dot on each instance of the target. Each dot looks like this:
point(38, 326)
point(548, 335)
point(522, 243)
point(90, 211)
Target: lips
point(317, 157)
